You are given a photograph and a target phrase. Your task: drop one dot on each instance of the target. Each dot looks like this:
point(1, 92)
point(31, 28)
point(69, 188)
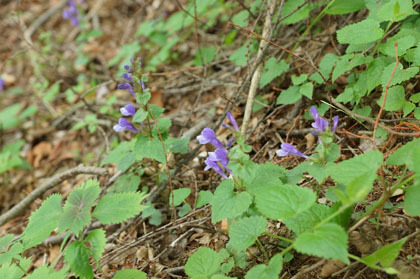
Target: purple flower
point(232, 121)
point(288, 149)
point(320, 123)
point(128, 77)
point(1, 85)
point(220, 155)
point(335, 123)
point(128, 110)
point(126, 86)
point(128, 68)
point(71, 13)
point(123, 124)
point(142, 85)
point(208, 136)
point(215, 166)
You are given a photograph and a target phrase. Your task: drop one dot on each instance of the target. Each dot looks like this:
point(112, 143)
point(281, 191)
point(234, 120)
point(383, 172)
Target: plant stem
point(263, 250)
point(278, 237)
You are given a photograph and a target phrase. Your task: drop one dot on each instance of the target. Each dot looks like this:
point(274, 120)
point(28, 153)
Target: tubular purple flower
point(208, 136)
point(143, 86)
point(1, 85)
point(126, 86)
point(220, 155)
point(335, 123)
point(232, 120)
point(128, 77)
point(288, 149)
point(71, 13)
point(320, 123)
point(215, 166)
point(128, 110)
point(128, 68)
point(123, 124)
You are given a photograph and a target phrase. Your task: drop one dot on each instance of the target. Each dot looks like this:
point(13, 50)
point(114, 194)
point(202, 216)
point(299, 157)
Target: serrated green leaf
point(385, 255)
point(271, 70)
point(130, 274)
point(118, 153)
point(156, 110)
point(327, 241)
point(11, 271)
point(228, 204)
point(204, 263)
point(45, 271)
point(140, 115)
point(340, 7)
point(76, 211)
point(374, 72)
point(150, 148)
point(163, 124)
point(76, 256)
point(298, 15)
point(245, 231)
point(415, 98)
point(267, 174)
point(411, 200)
point(42, 221)
point(97, 241)
point(241, 18)
point(5, 242)
point(367, 31)
point(272, 271)
point(400, 74)
point(126, 183)
point(408, 154)
point(179, 196)
point(289, 96)
point(308, 218)
point(114, 208)
point(177, 145)
point(395, 98)
point(13, 253)
point(403, 45)
point(396, 10)
point(284, 201)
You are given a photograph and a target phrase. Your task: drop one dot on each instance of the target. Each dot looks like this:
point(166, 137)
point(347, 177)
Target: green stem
point(263, 250)
point(279, 237)
point(383, 36)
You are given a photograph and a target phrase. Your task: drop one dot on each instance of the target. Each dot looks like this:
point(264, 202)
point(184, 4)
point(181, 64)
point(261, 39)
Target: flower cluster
point(71, 12)
point(132, 82)
point(218, 159)
point(321, 124)
point(124, 124)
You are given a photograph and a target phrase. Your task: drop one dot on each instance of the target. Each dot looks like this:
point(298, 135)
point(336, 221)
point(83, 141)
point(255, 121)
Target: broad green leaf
point(76, 256)
point(241, 18)
point(179, 196)
point(385, 255)
point(5, 242)
point(11, 271)
point(396, 10)
point(124, 55)
point(97, 241)
point(51, 93)
point(130, 274)
point(411, 200)
point(298, 80)
point(240, 57)
point(204, 55)
point(118, 207)
point(125, 163)
point(45, 271)
point(399, 76)
point(340, 7)
point(272, 271)
point(300, 14)
point(245, 231)
point(42, 221)
point(140, 115)
point(204, 197)
point(228, 204)
point(367, 31)
point(325, 67)
point(306, 89)
point(9, 116)
point(126, 183)
point(374, 72)
point(407, 108)
point(408, 154)
point(308, 218)
point(284, 201)
point(118, 153)
point(177, 145)
point(359, 187)
point(404, 44)
point(327, 241)
point(146, 28)
point(272, 69)
point(289, 96)
point(150, 148)
point(154, 214)
point(185, 208)
point(76, 211)
point(163, 124)
point(267, 174)
point(13, 253)
point(395, 98)
point(155, 110)
point(204, 263)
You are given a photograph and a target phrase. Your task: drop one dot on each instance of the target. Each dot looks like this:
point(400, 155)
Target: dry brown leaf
point(40, 151)
point(331, 267)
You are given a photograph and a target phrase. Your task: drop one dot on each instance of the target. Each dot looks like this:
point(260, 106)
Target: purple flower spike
point(1, 85)
point(126, 86)
point(123, 124)
point(335, 123)
point(215, 166)
point(208, 136)
point(128, 110)
point(232, 120)
point(128, 77)
point(320, 123)
point(71, 13)
point(288, 149)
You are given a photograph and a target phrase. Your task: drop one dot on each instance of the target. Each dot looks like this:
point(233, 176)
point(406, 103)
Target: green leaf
point(327, 241)
point(13, 253)
point(42, 221)
point(300, 14)
point(11, 271)
point(126, 183)
point(204, 197)
point(415, 98)
point(97, 240)
point(411, 200)
point(407, 108)
point(5, 242)
point(267, 174)
point(126, 161)
point(146, 28)
point(228, 204)
point(204, 56)
point(51, 93)
point(307, 89)
point(241, 18)
point(408, 154)
point(130, 274)
point(185, 208)
point(257, 106)
point(385, 255)
point(154, 214)
point(163, 124)
point(118, 207)
point(395, 98)
point(76, 211)
point(284, 201)
point(367, 31)
point(272, 69)
point(340, 7)
point(140, 115)
point(177, 145)
point(156, 110)
point(325, 67)
point(289, 96)
point(245, 231)
point(240, 57)
point(396, 10)
point(204, 263)
point(150, 148)
point(9, 117)
point(271, 271)
point(298, 80)
point(45, 271)
point(76, 255)
point(404, 44)
point(308, 218)
point(179, 196)
point(400, 74)
point(127, 52)
point(118, 153)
